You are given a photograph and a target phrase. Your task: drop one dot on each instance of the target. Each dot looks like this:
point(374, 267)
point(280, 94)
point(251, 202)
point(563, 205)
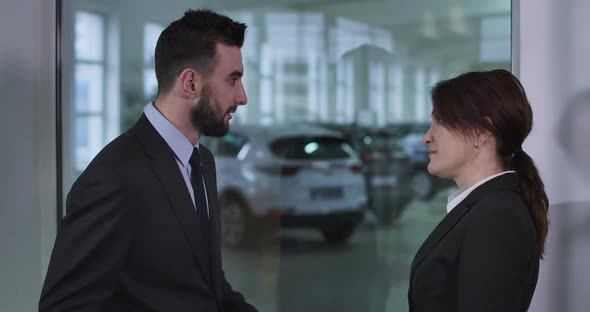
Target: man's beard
point(208, 118)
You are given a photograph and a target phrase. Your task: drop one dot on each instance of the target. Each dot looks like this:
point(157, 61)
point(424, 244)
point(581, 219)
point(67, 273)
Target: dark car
point(386, 167)
point(409, 135)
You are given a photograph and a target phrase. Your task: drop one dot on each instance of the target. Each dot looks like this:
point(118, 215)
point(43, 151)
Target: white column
point(27, 162)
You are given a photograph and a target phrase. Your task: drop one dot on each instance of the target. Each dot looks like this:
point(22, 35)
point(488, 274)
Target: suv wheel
point(422, 185)
point(339, 234)
point(234, 223)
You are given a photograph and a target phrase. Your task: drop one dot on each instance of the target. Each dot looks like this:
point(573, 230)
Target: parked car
point(386, 168)
point(410, 134)
point(288, 176)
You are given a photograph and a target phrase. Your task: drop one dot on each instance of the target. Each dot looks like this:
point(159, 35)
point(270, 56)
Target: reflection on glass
point(151, 32)
point(89, 88)
point(311, 147)
point(88, 107)
point(89, 37)
point(360, 73)
point(89, 133)
point(150, 84)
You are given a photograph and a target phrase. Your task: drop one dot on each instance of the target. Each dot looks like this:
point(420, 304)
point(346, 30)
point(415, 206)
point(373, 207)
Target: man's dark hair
point(190, 42)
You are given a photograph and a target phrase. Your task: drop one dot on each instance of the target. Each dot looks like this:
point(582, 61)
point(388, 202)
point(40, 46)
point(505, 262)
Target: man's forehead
point(229, 59)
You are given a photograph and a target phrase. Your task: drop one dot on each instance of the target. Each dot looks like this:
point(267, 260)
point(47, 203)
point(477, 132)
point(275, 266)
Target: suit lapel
point(441, 230)
point(167, 171)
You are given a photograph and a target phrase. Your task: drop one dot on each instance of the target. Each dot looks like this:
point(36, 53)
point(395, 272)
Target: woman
point(484, 255)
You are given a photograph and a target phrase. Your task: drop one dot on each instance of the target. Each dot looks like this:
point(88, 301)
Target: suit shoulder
point(121, 153)
point(504, 209)
point(500, 202)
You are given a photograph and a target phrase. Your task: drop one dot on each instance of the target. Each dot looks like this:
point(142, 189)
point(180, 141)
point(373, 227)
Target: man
point(142, 230)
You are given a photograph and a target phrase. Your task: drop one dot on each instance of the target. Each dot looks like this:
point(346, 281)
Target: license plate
point(326, 193)
point(384, 181)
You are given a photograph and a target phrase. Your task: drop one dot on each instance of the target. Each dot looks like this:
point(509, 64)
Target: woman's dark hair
point(495, 102)
point(191, 41)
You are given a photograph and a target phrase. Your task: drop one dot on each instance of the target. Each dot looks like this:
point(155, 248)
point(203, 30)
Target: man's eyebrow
point(235, 74)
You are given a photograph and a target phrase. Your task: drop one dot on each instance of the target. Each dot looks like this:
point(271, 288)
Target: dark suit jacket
point(129, 241)
point(482, 256)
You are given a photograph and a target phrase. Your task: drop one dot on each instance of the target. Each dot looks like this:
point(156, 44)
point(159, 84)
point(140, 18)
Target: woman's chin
point(432, 169)
point(437, 172)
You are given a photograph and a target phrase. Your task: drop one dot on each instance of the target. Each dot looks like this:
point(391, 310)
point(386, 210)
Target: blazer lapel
point(167, 171)
point(441, 230)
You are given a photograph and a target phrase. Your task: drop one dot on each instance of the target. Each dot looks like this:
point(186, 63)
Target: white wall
point(27, 140)
point(552, 54)
point(551, 73)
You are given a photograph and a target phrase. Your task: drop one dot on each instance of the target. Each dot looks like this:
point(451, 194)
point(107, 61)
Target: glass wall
point(322, 182)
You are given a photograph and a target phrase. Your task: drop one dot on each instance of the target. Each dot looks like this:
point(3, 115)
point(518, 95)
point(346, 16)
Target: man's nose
point(242, 98)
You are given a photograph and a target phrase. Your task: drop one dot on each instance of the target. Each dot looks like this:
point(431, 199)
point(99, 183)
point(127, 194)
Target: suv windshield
point(312, 148)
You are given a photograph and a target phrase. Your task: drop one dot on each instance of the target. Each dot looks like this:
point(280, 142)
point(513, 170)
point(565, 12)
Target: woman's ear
point(486, 134)
point(477, 139)
point(485, 138)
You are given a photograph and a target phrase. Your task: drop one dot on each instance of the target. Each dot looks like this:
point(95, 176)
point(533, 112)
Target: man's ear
point(190, 83)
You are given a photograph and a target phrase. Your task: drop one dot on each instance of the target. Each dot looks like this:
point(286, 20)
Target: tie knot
point(195, 159)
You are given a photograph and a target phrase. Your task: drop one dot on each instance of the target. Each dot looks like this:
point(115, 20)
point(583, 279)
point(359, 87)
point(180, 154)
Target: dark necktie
point(200, 201)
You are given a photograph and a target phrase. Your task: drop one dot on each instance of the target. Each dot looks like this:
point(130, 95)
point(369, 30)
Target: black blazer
point(481, 257)
point(129, 241)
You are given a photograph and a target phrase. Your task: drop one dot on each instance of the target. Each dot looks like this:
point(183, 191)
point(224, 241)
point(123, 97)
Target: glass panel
point(89, 140)
point(89, 88)
point(311, 148)
point(89, 29)
point(151, 32)
point(341, 194)
point(231, 145)
point(150, 83)
point(495, 43)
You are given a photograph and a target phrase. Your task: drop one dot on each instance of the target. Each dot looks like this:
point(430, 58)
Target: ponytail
point(533, 189)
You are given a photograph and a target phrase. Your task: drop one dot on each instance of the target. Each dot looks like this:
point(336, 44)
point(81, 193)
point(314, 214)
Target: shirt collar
point(457, 197)
point(180, 145)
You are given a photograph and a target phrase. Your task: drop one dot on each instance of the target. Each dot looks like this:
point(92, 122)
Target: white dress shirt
point(179, 144)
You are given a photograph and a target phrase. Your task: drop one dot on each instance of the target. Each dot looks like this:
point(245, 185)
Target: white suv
point(288, 176)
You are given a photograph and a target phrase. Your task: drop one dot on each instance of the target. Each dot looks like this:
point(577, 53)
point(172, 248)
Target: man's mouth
point(231, 110)
point(229, 113)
